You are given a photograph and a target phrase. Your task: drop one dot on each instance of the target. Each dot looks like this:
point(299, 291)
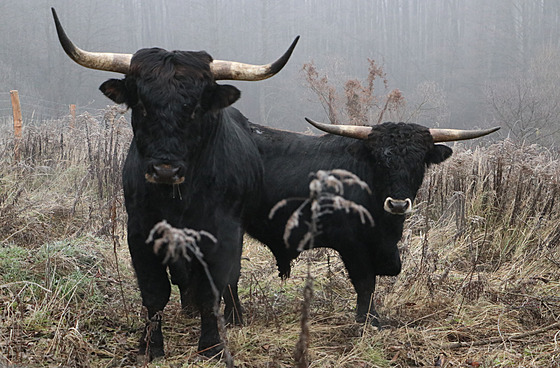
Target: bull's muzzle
point(397, 206)
point(164, 174)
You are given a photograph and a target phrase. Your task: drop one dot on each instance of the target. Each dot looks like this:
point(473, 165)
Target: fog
point(457, 63)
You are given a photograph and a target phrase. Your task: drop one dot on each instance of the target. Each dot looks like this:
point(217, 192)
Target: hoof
point(233, 319)
point(211, 352)
point(372, 319)
point(143, 359)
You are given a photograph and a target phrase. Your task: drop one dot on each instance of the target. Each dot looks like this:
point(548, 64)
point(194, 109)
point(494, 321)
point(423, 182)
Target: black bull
point(391, 158)
point(192, 161)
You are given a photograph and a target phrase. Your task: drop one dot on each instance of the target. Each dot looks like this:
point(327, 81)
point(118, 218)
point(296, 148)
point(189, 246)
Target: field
point(480, 285)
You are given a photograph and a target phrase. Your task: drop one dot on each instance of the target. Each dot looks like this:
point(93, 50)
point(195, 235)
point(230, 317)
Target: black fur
point(180, 118)
point(391, 161)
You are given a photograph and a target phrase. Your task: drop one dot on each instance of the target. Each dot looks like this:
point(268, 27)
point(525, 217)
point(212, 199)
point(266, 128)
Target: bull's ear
point(438, 154)
point(115, 89)
point(223, 96)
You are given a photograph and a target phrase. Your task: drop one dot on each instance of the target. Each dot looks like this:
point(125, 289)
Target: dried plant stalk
point(326, 191)
point(177, 243)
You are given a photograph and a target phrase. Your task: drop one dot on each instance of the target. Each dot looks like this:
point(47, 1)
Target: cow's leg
point(210, 342)
point(187, 302)
point(365, 307)
point(233, 312)
point(155, 290)
point(223, 265)
point(363, 278)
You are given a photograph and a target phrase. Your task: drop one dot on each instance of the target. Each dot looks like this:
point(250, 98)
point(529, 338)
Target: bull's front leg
point(233, 312)
point(155, 290)
point(365, 307)
point(207, 299)
point(363, 279)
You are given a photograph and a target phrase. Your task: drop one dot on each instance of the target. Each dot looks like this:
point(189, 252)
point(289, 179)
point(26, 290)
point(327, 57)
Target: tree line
point(460, 60)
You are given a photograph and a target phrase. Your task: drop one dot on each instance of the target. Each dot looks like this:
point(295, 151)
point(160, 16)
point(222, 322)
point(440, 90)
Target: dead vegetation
point(480, 285)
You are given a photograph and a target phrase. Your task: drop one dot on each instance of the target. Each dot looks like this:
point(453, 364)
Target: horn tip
point(55, 16)
point(312, 122)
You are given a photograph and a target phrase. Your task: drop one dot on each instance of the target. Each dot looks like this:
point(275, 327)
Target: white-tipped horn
point(233, 70)
point(449, 135)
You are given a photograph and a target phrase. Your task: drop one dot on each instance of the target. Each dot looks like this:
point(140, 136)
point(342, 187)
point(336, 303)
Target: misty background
point(457, 63)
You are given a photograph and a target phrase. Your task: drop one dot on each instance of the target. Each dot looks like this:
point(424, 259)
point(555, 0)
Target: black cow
point(391, 158)
point(192, 161)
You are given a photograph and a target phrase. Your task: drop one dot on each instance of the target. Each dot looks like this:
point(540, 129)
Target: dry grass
point(480, 284)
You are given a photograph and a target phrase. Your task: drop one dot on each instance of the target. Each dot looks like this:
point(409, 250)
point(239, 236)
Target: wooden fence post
point(18, 122)
point(72, 116)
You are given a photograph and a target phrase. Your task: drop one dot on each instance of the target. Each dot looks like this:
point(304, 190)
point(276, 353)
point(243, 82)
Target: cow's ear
point(115, 89)
point(438, 154)
point(223, 96)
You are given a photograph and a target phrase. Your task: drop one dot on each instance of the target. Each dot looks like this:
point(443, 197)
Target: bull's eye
point(141, 109)
point(388, 152)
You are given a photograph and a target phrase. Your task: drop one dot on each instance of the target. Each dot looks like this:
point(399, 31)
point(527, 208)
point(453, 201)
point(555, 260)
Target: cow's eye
point(141, 109)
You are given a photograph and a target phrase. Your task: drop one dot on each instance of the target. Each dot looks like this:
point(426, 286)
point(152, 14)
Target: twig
point(113, 210)
point(25, 283)
point(497, 340)
point(301, 355)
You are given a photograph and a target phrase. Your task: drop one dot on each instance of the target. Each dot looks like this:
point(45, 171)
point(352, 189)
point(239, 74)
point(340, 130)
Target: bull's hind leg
point(155, 290)
point(187, 302)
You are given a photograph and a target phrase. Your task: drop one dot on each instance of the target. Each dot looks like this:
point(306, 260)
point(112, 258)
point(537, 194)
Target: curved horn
point(351, 131)
point(107, 61)
point(448, 135)
point(247, 72)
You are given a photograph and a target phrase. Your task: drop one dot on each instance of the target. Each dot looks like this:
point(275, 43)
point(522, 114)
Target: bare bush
point(360, 104)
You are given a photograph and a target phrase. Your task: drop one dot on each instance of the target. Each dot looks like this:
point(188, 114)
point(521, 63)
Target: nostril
point(397, 206)
point(165, 171)
point(405, 204)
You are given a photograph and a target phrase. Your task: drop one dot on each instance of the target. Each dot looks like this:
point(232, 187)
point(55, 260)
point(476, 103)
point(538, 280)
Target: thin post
point(18, 122)
point(72, 116)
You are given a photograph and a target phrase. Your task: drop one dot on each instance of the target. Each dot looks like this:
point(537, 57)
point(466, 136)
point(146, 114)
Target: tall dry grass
point(479, 287)
point(61, 225)
point(67, 181)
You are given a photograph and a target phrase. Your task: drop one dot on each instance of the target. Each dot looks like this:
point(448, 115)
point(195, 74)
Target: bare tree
point(528, 104)
point(427, 105)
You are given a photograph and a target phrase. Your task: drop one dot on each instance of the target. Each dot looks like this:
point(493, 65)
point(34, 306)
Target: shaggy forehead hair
point(161, 77)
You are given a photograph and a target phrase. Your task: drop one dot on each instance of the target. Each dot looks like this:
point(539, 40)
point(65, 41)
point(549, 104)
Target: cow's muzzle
point(398, 206)
point(164, 174)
